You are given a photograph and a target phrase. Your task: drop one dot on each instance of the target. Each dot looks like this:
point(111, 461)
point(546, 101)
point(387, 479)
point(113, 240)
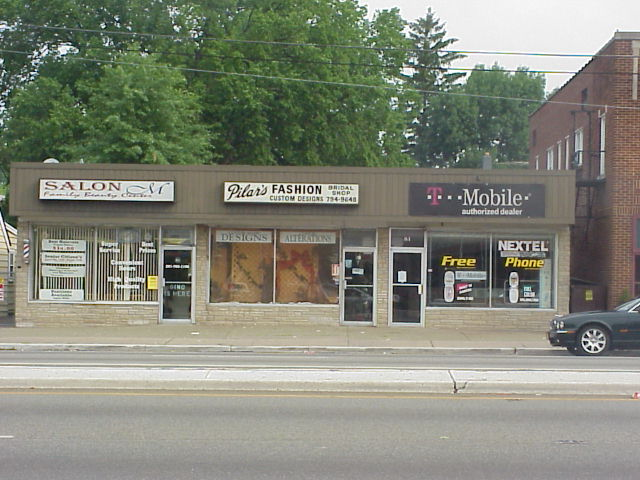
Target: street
point(559, 360)
point(169, 435)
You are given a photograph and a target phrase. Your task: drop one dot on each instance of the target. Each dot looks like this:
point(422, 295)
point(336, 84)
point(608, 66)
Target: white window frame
point(603, 144)
point(559, 147)
point(567, 153)
point(578, 147)
point(550, 158)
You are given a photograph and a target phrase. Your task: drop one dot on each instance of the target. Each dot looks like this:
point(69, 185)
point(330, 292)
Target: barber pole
point(26, 251)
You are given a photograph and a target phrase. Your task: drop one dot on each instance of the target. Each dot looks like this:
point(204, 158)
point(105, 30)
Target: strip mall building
point(140, 244)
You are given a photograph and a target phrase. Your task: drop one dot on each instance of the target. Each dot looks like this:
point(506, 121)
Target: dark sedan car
point(593, 333)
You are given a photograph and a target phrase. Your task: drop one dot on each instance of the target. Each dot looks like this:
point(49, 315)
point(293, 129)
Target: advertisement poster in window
point(523, 269)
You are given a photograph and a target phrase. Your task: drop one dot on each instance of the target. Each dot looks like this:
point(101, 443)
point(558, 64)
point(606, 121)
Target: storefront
point(135, 244)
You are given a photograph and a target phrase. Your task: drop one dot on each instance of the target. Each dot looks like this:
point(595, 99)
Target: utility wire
point(315, 45)
point(341, 84)
point(382, 65)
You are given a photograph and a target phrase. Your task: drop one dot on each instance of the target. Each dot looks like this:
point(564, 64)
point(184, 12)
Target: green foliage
point(245, 82)
point(139, 112)
point(252, 113)
point(43, 121)
point(481, 116)
point(429, 60)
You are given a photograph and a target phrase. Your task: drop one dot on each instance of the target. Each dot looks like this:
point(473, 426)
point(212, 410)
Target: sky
point(541, 26)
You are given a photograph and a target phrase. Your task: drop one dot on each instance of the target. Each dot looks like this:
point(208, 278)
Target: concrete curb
point(373, 380)
point(87, 347)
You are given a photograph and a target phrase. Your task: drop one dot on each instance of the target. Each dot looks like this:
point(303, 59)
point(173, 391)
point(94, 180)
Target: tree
point(429, 60)
point(140, 112)
point(271, 78)
point(43, 121)
point(483, 115)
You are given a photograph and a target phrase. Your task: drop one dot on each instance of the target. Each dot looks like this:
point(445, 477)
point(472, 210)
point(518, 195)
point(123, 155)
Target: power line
point(317, 45)
point(382, 65)
point(341, 84)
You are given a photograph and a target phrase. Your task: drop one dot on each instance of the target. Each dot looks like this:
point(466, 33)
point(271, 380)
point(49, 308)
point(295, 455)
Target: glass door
point(358, 290)
point(407, 304)
point(177, 283)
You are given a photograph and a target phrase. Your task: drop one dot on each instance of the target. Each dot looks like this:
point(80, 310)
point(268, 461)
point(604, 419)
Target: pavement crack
point(456, 388)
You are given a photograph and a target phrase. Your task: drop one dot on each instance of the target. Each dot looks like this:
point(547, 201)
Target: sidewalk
point(260, 337)
point(302, 338)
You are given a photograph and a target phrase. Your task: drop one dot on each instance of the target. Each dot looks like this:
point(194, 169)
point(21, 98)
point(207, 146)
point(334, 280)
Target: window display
point(523, 272)
point(306, 268)
point(458, 270)
point(242, 266)
point(111, 264)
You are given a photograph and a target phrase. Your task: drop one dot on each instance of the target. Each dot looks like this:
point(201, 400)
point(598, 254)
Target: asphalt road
point(112, 435)
point(563, 361)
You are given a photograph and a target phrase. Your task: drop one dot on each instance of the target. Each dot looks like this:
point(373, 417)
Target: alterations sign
point(295, 193)
point(477, 200)
point(109, 190)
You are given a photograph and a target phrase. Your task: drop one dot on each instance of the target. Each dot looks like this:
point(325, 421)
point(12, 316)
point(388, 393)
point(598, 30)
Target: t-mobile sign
point(477, 200)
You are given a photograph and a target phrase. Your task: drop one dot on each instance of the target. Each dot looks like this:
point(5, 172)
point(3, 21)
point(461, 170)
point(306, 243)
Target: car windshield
point(626, 306)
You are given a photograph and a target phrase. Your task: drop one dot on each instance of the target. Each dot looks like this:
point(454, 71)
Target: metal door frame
point(343, 285)
point(421, 286)
point(163, 249)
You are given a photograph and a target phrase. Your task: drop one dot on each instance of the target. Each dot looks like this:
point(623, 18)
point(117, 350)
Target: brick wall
point(602, 238)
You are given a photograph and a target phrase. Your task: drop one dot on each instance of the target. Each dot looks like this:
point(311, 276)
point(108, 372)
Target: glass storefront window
point(523, 271)
point(106, 264)
point(241, 266)
point(458, 271)
point(125, 259)
point(307, 267)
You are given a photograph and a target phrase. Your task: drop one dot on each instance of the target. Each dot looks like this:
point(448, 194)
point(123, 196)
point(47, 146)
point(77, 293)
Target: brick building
point(592, 125)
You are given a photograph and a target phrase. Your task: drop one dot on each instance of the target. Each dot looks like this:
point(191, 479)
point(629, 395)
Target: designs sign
point(111, 190)
point(296, 193)
point(477, 200)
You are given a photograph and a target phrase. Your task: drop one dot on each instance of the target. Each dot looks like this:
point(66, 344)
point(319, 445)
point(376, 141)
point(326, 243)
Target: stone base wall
point(99, 315)
point(494, 318)
point(301, 314)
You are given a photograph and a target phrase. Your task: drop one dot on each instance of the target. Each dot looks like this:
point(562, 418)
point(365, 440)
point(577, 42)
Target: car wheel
point(593, 340)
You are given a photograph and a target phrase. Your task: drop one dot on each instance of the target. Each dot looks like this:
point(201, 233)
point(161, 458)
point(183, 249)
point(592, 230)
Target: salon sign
point(107, 190)
point(294, 193)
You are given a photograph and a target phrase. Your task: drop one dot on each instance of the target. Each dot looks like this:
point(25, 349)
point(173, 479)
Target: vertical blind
point(95, 264)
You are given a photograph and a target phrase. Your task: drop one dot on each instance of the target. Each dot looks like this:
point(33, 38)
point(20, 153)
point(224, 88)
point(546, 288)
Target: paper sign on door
point(402, 276)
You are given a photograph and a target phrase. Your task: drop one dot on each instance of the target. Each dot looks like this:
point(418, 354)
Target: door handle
point(420, 288)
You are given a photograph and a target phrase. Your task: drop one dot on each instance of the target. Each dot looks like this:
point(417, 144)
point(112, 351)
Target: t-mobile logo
point(434, 194)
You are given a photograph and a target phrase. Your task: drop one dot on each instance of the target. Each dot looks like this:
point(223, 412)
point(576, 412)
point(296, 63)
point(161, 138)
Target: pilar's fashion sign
point(304, 193)
point(111, 190)
point(477, 200)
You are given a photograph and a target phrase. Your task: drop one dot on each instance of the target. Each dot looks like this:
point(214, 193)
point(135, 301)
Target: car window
point(630, 306)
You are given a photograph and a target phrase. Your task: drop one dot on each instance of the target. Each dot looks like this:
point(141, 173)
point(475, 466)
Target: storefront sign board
point(477, 200)
point(63, 271)
point(74, 295)
point(295, 193)
point(308, 237)
point(62, 245)
point(243, 236)
point(107, 190)
point(66, 258)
